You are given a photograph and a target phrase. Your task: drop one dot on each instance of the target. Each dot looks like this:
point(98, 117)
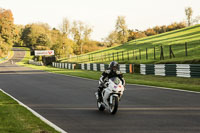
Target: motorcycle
point(111, 95)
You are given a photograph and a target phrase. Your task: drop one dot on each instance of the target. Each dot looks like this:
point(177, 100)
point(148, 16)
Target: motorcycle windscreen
point(116, 80)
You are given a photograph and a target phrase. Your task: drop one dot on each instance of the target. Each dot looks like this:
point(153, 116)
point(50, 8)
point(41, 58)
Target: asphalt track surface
point(69, 102)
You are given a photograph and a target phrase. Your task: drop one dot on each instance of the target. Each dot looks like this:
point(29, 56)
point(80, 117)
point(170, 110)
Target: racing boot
point(99, 94)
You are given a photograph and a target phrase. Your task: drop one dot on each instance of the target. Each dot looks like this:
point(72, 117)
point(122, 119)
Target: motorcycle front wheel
point(114, 105)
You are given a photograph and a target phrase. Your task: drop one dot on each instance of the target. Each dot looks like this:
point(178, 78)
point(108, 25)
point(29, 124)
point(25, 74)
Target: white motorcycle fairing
point(111, 95)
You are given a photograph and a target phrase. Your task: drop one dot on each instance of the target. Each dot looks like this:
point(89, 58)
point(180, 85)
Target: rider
point(112, 71)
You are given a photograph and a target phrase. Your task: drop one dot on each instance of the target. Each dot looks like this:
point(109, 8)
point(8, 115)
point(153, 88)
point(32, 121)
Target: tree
point(65, 27)
point(6, 31)
point(36, 35)
point(3, 47)
point(112, 39)
point(63, 47)
point(81, 34)
point(163, 29)
point(196, 20)
point(43, 40)
point(188, 13)
point(121, 29)
point(150, 32)
point(91, 46)
point(17, 35)
point(157, 29)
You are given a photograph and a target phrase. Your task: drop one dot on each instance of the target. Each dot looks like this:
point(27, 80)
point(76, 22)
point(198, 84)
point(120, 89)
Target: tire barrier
point(179, 70)
point(38, 63)
point(124, 68)
point(64, 65)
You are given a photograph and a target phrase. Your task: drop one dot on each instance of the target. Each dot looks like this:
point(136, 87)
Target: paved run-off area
point(69, 102)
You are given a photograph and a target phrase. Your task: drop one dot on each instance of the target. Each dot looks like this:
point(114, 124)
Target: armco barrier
point(38, 63)
point(179, 70)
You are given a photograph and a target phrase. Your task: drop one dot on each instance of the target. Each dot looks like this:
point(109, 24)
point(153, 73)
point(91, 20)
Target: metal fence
point(157, 52)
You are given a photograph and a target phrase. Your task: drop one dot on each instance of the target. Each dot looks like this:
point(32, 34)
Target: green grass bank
point(183, 42)
point(16, 119)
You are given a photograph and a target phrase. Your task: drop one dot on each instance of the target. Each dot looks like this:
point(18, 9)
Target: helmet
point(113, 66)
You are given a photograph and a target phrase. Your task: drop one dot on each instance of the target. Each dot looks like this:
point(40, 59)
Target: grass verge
point(192, 84)
point(16, 119)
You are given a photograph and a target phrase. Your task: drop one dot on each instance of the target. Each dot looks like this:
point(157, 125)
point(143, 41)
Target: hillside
point(148, 49)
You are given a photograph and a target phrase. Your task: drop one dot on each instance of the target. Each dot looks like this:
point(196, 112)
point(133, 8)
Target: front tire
point(100, 106)
point(114, 105)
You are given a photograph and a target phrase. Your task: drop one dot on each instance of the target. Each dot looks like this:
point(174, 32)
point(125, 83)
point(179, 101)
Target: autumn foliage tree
point(6, 31)
point(112, 39)
point(188, 13)
point(121, 29)
point(81, 35)
point(36, 35)
point(135, 34)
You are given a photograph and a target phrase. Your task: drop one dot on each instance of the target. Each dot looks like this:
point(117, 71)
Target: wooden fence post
point(128, 54)
point(117, 56)
point(140, 54)
point(171, 54)
point(146, 54)
point(161, 53)
point(186, 53)
point(122, 55)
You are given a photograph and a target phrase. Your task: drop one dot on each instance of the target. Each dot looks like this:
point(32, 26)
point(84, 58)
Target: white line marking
point(71, 76)
point(133, 108)
point(165, 88)
point(36, 114)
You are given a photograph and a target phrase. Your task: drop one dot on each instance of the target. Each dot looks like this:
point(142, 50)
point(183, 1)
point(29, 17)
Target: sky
point(101, 15)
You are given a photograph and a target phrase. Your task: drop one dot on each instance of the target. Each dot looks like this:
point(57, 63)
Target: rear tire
point(114, 106)
point(100, 106)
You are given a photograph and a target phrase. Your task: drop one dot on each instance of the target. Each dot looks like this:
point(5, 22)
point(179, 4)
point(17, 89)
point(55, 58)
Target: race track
point(69, 102)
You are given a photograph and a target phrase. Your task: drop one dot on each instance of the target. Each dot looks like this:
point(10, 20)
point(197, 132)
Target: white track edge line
point(36, 114)
point(173, 89)
point(71, 76)
point(133, 84)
